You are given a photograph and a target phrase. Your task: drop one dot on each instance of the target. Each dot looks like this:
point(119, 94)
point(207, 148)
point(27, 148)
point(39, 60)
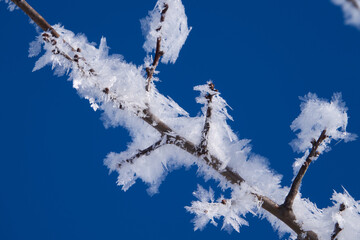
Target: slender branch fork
point(169, 136)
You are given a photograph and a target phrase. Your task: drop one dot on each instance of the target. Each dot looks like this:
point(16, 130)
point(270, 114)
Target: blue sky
point(262, 55)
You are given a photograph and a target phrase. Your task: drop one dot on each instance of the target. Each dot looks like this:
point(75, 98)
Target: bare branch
point(337, 228)
point(204, 134)
point(289, 200)
point(158, 53)
point(36, 17)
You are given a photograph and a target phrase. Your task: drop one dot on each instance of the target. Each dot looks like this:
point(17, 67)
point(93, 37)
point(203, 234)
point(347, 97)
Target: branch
point(231, 176)
point(337, 228)
point(289, 200)
point(204, 134)
point(158, 53)
point(36, 17)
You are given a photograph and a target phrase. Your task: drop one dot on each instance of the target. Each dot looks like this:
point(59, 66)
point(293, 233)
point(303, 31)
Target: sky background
point(262, 55)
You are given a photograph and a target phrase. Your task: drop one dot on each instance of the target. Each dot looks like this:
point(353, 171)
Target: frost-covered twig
point(144, 152)
point(337, 228)
point(203, 147)
point(289, 200)
point(158, 53)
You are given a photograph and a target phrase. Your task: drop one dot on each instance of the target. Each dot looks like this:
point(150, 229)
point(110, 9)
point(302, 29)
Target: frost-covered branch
point(158, 53)
point(154, 121)
point(289, 200)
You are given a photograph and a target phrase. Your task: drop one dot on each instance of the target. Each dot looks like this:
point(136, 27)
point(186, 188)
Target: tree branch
point(158, 53)
point(173, 138)
point(337, 228)
point(289, 200)
point(36, 17)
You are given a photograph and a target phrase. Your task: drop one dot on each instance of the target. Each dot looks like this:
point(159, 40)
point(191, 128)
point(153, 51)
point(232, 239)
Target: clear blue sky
point(261, 55)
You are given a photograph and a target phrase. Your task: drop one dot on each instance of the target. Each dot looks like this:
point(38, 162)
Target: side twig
point(145, 152)
point(158, 53)
point(203, 149)
point(289, 200)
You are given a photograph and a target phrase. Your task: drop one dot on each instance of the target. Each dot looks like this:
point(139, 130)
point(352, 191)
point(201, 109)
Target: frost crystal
point(207, 210)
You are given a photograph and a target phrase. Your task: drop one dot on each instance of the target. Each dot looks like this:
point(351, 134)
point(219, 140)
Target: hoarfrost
point(318, 115)
point(207, 210)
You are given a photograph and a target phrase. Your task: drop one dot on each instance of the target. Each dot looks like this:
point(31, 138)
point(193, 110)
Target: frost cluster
point(318, 115)
point(173, 30)
point(351, 11)
point(231, 210)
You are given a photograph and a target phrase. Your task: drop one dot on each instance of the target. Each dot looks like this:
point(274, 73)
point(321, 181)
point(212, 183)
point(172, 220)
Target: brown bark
point(289, 200)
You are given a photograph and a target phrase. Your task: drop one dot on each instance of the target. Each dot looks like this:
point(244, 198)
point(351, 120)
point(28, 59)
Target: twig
point(337, 228)
point(203, 147)
point(289, 200)
point(36, 17)
point(144, 152)
point(158, 53)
